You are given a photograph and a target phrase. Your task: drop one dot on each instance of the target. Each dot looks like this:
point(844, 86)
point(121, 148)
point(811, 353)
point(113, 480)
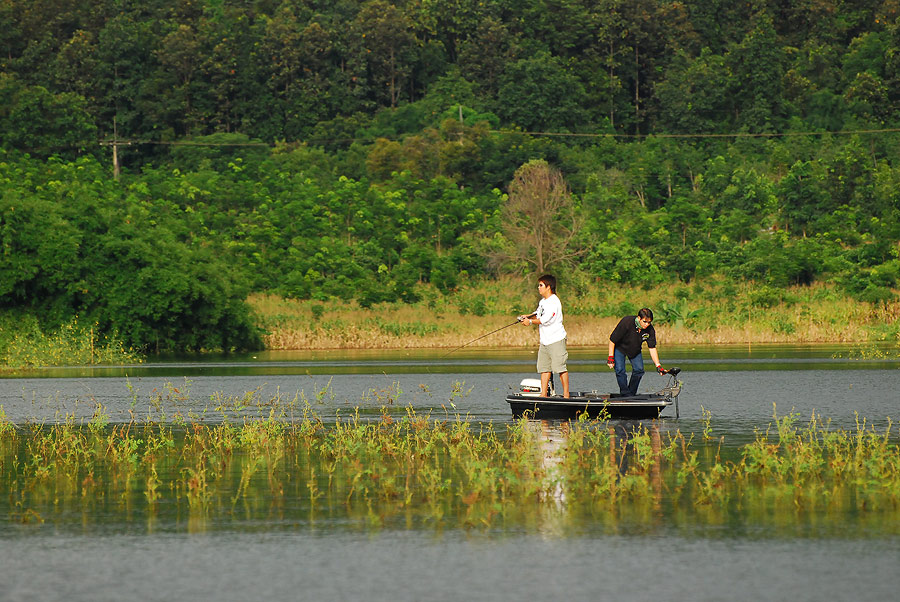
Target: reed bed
point(447, 471)
point(72, 344)
point(705, 313)
point(710, 312)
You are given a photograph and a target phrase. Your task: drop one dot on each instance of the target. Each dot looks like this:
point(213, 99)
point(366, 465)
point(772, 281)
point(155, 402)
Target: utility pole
point(115, 144)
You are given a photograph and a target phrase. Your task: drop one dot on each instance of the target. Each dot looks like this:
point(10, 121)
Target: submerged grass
point(446, 472)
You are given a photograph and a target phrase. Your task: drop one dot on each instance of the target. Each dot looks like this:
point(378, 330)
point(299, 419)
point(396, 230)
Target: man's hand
point(611, 362)
point(660, 369)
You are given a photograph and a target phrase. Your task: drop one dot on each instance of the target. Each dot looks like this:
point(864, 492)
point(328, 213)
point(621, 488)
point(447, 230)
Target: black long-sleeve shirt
point(629, 338)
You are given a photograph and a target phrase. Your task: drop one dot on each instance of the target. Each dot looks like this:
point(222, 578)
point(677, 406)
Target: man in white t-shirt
point(552, 354)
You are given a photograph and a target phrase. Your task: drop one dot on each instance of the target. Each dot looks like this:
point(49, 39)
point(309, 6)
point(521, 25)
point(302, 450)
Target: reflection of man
point(553, 436)
point(625, 342)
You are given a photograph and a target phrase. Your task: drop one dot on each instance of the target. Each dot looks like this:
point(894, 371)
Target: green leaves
point(34, 119)
point(74, 244)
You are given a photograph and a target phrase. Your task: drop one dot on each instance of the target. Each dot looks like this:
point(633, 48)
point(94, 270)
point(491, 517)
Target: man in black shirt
point(625, 341)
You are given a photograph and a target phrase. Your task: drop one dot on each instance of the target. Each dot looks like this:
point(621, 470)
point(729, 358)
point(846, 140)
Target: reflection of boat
point(614, 405)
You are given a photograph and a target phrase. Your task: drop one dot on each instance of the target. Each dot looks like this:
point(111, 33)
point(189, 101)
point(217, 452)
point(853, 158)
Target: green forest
point(162, 160)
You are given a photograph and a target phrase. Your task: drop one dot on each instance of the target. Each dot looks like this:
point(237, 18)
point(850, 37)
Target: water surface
point(740, 386)
point(289, 552)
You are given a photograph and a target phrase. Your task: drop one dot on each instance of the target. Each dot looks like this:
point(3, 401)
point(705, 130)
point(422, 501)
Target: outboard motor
point(531, 387)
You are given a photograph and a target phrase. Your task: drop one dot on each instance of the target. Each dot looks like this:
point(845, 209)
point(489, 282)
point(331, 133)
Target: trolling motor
point(673, 387)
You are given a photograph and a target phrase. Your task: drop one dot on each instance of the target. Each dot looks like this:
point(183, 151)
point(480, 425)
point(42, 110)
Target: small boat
point(612, 405)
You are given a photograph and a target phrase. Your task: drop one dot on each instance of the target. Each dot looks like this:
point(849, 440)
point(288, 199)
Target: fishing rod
point(479, 338)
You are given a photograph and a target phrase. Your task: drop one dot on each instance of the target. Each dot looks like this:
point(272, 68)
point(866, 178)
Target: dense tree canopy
point(275, 70)
point(354, 149)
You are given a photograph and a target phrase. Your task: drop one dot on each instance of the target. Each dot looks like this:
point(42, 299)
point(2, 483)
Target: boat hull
point(634, 407)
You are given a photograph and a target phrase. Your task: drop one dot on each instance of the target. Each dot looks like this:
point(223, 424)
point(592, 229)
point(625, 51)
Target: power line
point(732, 135)
point(122, 142)
point(181, 143)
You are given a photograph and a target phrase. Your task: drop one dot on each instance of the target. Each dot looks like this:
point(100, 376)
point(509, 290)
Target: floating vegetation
point(872, 351)
point(414, 469)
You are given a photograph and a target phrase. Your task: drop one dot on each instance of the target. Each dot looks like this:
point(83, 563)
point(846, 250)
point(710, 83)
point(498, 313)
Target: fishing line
point(478, 339)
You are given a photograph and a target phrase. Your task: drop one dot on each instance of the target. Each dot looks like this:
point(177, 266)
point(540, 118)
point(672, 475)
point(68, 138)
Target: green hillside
point(161, 161)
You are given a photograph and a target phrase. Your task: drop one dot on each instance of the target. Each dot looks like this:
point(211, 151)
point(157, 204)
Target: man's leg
point(564, 379)
point(637, 372)
point(544, 366)
point(621, 375)
point(545, 382)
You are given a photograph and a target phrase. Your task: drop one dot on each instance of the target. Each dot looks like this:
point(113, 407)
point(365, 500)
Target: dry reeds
point(706, 313)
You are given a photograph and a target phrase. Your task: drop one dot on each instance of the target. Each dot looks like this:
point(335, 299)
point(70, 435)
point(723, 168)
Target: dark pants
point(637, 372)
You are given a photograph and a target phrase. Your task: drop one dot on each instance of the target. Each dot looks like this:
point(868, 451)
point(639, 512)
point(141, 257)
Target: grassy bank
point(23, 344)
point(712, 312)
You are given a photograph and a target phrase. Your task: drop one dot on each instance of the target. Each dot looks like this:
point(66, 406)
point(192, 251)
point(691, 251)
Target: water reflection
point(623, 435)
point(696, 358)
point(635, 448)
point(552, 435)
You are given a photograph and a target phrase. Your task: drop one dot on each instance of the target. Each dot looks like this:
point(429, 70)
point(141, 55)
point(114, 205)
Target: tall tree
point(451, 21)
point(387, 49)
point(758, 64)
point(126, 51)
point(693, 95)
point(541, 218)
point(539, 93)
point(37, 121)
point(484, 55)
point(179, 53)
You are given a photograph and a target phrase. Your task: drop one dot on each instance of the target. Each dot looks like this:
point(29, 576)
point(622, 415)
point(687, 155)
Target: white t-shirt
point(549, 312)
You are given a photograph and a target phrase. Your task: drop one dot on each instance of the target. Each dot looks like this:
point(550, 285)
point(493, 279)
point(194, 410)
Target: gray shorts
point(553, 357)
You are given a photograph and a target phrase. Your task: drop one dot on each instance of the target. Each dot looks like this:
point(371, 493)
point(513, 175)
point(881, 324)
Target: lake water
point(290, 555)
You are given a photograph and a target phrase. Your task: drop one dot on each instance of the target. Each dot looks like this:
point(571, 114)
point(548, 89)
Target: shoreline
point(712, 314)
point(482, 315)
point(581, 333)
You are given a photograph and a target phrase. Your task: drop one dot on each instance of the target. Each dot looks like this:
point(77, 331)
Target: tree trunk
point(637, 91)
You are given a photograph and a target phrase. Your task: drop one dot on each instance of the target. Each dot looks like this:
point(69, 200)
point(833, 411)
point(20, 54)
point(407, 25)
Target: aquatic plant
point(442, 471)
point(707, 423)
point(72, 344)
point(6, 426)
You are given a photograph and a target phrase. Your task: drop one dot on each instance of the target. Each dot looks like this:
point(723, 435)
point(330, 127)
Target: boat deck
point(595, 404)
